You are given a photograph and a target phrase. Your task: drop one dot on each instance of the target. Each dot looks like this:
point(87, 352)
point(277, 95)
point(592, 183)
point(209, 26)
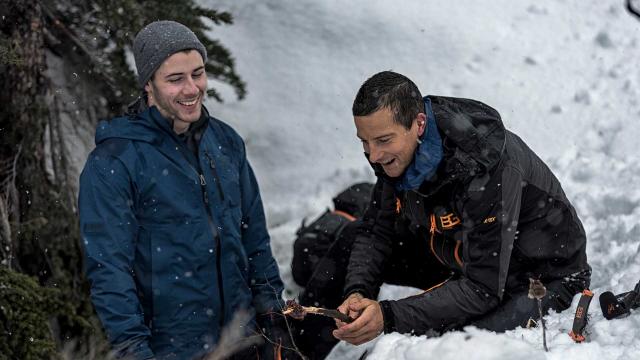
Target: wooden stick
point(324, 312)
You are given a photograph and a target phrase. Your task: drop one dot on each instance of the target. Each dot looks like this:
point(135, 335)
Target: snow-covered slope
point(563, 74)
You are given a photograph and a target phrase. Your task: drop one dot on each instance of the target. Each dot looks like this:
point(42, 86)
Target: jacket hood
point(148, 125)
point(140, 127)
point(470, 129)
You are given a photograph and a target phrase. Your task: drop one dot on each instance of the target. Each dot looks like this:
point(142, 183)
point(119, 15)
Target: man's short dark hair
point(390, 90)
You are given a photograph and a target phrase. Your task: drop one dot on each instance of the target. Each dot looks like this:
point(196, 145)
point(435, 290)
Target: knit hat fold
point(159, 40)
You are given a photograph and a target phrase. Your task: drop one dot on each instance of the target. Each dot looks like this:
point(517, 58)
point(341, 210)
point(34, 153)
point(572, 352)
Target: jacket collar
point(427, 156)
point(472, 143)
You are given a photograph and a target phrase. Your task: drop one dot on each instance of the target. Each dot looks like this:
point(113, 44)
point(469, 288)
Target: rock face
point(77, 103)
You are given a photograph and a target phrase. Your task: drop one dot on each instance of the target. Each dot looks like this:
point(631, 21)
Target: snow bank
point(562, 73)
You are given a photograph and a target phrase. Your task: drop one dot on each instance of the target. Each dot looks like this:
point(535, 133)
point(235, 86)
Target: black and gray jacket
point(494, 214)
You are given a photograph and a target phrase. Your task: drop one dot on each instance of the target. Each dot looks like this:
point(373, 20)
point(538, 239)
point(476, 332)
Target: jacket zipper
point(438, 285)
point(456, 252)
point(218, 242)
point(214, 170)
point(433, 230)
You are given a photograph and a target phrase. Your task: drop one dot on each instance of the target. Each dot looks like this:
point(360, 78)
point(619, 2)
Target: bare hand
point(367, 326)
point(344, 308)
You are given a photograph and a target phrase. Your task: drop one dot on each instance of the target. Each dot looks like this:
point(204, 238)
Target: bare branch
point(7, 194)
point(279, 345)
point(233, 338)
point(8, 170)
point(5, 234)
point(289, 330)
point(80, 45)
point(537, 291)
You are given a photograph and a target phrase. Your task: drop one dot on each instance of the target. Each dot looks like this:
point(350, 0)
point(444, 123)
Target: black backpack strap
point(313, 242)
point(344, 214)
point(350, 218)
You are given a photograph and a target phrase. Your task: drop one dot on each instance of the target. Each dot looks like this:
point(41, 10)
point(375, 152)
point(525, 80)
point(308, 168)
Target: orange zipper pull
point(432, 230)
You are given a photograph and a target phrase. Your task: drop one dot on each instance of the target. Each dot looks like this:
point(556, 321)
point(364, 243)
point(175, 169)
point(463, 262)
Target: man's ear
point(421, 120)
point(149, 90)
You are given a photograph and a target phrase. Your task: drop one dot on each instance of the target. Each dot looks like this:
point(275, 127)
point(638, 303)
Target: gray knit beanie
point(159, 40)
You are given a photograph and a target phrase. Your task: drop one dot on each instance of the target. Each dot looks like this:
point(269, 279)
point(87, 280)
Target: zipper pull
point(216, 179)
point(211, 163)
point(205, 196)
point(203, 182)
point(432, 228)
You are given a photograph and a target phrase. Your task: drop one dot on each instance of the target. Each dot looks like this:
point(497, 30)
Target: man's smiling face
point(388, 143)
point(178, 88)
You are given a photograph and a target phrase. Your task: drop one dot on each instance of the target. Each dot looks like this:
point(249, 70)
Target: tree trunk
point(64, 65)
point(42, 126)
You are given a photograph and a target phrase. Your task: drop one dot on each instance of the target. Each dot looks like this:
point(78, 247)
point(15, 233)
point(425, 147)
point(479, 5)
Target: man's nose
point(190, 87)
point(375, 154)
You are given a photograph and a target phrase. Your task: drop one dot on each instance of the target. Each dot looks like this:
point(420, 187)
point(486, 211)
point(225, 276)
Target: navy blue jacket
point(174, 244)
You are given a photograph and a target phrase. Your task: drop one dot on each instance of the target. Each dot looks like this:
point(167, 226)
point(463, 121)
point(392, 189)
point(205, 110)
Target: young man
point(463, 209)
point(170, 213)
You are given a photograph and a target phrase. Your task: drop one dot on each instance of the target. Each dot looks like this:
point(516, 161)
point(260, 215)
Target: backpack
point(314, 240)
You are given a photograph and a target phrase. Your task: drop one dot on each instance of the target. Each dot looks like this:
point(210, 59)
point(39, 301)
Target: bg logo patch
point(448, 221)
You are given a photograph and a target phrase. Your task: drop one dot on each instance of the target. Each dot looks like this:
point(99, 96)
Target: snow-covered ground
point(563, 74)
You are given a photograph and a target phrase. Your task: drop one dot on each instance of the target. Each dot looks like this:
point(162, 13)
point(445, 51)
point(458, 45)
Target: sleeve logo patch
point(489, 220)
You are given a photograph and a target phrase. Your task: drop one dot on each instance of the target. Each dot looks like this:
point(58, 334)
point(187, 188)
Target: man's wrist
point(388, 317)
point(357, 290)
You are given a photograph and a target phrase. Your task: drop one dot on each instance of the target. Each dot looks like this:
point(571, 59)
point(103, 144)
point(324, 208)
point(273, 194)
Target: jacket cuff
point(356, 289)
point(145, 354)
point(387, 317)
point(138, 351)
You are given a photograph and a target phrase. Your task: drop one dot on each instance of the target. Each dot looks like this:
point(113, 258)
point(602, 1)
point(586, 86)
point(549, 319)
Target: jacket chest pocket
point(413, 210)
point(226, 177)
point(445, 237)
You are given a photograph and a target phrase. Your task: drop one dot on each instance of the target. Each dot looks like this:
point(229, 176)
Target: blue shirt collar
point(427, 156)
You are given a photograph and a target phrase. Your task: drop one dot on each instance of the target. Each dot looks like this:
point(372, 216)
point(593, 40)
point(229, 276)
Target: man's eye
point(174, 80)
point(383, 141)
point(198, 74)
